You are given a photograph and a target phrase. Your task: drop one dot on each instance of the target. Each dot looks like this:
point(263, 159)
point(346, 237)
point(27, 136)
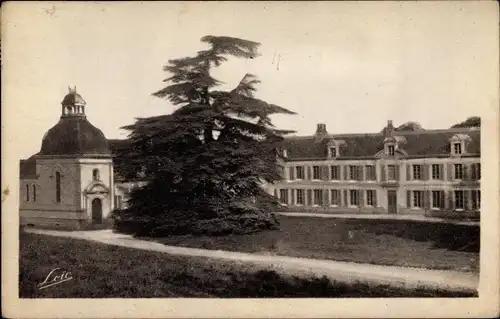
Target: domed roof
point(74, 136)
point(73, 98)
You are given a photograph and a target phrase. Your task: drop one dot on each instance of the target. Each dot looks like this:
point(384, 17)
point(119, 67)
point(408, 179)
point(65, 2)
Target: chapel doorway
point(96, 211)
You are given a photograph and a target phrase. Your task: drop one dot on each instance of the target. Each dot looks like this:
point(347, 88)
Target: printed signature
point(55, 277)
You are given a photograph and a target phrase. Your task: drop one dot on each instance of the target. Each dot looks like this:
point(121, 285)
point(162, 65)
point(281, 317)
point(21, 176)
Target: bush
point(235, 218)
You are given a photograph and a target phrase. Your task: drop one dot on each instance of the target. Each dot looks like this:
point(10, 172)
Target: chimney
point(389, 129)
point(321, 129)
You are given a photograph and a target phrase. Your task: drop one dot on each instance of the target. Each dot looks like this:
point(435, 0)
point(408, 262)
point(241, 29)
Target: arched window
point(95, 174)
point(58, 187)
point(34, 192)
point(27, 193)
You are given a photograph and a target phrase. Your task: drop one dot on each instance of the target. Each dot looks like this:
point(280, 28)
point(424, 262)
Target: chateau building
point(424, 172)
point(71, 182)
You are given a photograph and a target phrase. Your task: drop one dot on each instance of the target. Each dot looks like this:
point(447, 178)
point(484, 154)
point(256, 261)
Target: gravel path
point(340, 271)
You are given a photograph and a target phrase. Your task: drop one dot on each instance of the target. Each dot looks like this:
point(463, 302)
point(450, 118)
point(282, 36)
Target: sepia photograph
point(217, 153)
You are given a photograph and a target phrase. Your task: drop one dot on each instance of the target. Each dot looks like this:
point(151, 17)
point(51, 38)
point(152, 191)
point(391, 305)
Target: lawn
point(106, 271)
point(384, 242)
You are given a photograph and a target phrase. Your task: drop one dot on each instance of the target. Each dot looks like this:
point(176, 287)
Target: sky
point(350, 65)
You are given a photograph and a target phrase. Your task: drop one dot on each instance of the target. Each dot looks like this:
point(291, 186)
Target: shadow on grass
point(105, 271)
point(452, 237)
point(270, 284)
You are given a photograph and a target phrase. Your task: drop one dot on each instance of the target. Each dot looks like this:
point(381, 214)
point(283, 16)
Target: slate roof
point(74, 136)
point(424, 143)
point(27, 168)
point(421, 144)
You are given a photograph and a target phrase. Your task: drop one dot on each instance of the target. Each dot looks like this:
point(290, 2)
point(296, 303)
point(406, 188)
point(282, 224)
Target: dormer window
point(333, 152)
point(390, 150)
point(284, 152)
point(458, 144)
point(333, 148)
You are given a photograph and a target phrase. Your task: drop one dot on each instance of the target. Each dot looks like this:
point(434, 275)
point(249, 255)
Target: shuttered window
point(335, 172)
point(284, 196)
point(476, 199)
point(317, 198)
point(316, 172)
point(353, 197)
point(335, 197)
point(300, 172)
point(353, 172)
point(371, 197)
point(418, 199)
point(417, 173)
point(459, 199)
point(436, 171)
point(300, 197)
point(459, 172)
point(437, 199)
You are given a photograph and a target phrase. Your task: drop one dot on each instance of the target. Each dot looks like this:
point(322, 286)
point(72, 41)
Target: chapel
point(70, 182)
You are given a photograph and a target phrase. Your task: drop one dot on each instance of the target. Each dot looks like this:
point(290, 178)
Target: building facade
point(423, 172)
point(71, 182)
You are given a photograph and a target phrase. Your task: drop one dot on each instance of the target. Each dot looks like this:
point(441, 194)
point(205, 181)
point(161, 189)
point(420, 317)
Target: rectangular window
point(418, 197)
point(316, 173)
point(333, 152)
point(353, 197)
point(370, 173)
point(353, 172)
point(317, 197)
point(476, 199)
point(34, 192)
point(390, 150)
point(457, 148)
point(291, 174)
point(416, 172)
point(459, 173)
point(459, 200)
point(370, 197)
point(335, 197)
point(335, 172)
point(391, 172)
point(284, 196)
point(437, 199)
point(27, 197)
point(300, 172)
point(300, 197)
point(436, 171)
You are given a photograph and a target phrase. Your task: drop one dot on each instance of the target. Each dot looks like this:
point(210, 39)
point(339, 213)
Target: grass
point(385, 242)
point(105, 271)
